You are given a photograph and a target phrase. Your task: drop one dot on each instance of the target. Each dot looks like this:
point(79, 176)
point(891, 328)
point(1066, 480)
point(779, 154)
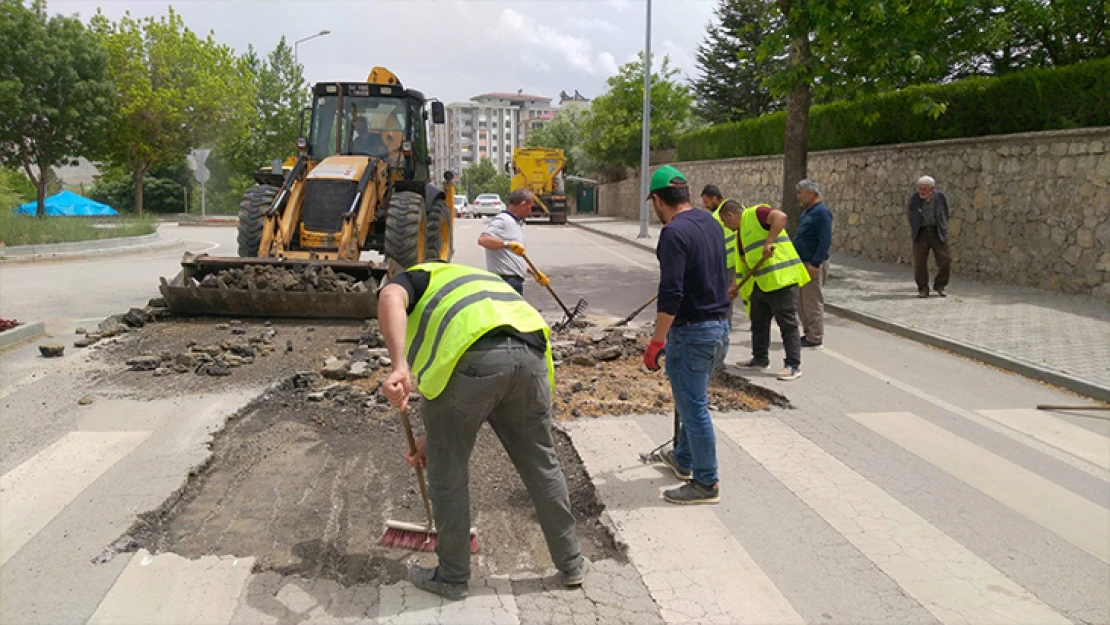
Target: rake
point(579, 308)
point(413, 535)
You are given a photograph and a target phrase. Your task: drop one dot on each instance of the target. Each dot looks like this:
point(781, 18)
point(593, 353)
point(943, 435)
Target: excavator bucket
point(274, 287)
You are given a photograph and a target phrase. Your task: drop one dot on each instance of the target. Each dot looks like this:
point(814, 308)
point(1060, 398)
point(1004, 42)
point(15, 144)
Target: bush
point(26, 230)
point(1041, 99)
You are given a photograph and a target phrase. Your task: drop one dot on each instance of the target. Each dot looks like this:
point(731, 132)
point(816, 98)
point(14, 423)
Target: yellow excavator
point(360, 182)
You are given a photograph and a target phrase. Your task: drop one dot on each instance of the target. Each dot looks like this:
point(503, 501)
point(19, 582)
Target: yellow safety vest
point(783, 269)
point(730, 239)
point(459, 307)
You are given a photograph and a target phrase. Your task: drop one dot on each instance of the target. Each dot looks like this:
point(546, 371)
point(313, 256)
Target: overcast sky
point(450, 49)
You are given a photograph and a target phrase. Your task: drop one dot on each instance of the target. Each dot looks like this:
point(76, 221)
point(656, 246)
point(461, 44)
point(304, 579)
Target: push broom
point(413, 535)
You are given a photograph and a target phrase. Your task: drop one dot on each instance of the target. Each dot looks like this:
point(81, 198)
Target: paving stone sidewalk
point(1062, 339)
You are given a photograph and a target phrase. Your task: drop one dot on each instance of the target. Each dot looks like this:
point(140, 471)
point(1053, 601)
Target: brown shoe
point(941, 292)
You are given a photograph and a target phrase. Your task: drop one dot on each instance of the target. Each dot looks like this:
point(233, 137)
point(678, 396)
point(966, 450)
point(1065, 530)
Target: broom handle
point(419, 469)
point(550, 290)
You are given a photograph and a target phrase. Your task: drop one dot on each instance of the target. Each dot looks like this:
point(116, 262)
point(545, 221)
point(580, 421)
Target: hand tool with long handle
point(570, 314)
point(629, 318)
point(413, 535)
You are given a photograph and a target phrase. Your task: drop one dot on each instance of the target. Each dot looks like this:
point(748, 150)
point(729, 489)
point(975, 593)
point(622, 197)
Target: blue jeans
point(693, 351)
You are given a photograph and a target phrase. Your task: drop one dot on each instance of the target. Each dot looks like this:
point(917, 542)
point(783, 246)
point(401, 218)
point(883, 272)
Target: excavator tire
point(252, 217)
point(439, 242)
point(405, 229)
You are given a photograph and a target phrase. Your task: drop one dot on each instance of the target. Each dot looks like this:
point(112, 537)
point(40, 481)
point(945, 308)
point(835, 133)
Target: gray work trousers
point(811, 305)
point(508, 386)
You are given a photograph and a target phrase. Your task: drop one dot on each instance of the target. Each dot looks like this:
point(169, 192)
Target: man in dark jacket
point(928, 214)
point(812, 239)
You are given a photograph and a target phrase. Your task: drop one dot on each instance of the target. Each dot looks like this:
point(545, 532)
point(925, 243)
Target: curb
point(84, 249)
point(22, 334)
point(975, 353)
point(614, 237)
point(1062, 380)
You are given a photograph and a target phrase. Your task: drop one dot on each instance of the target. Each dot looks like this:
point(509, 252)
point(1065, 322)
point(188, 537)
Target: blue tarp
point(68, 204)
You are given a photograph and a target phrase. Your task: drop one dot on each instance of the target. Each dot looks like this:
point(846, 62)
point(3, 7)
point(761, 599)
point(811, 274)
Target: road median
point(85, 249)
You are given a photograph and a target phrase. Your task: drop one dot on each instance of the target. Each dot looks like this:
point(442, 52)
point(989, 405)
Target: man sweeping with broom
point(478, 352)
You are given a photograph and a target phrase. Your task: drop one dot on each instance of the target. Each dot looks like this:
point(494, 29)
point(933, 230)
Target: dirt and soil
point(269, 278)
point(304, 477)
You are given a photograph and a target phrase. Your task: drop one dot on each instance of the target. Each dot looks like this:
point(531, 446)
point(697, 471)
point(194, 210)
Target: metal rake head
point(579, 309)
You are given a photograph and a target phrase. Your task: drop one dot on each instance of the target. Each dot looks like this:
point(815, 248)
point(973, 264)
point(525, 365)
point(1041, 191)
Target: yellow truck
point(540, 169)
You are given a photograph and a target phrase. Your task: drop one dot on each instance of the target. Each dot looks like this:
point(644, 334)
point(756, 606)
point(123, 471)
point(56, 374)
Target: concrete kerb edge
point(75, 254)
point(615, 237)
point(991, 358)
point(982, 355)
point(32, 331)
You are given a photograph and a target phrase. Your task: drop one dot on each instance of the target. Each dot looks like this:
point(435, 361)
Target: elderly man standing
point(812, 241)
point(503, 239)
point(928, 214)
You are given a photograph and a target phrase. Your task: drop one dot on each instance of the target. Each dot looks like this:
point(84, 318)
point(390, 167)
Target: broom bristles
point(415, 537)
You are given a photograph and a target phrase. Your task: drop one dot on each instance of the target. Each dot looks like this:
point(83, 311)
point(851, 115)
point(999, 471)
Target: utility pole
point(297, 43)
point(645, 143)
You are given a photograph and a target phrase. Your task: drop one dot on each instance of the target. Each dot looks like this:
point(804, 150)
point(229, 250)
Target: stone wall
point(1033, 208)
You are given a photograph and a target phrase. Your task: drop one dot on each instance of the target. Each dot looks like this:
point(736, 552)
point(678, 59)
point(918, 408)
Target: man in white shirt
point(503, 239)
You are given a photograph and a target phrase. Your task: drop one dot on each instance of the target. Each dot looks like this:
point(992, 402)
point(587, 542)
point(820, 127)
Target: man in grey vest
point(928, 214)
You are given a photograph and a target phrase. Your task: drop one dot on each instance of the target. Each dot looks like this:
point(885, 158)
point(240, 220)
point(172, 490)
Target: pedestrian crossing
point(693, 562)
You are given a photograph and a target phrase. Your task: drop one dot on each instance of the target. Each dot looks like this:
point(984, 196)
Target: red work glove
point(652, 353)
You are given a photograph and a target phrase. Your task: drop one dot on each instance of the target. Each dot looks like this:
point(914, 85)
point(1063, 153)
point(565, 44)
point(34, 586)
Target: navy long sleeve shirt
point(693, 283)
point(814, 235)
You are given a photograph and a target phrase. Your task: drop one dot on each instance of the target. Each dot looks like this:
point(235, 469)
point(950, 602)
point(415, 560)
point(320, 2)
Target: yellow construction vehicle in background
point(360, 182)
point(540, 169)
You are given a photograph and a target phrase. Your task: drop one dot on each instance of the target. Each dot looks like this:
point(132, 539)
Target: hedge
point(1075, 96)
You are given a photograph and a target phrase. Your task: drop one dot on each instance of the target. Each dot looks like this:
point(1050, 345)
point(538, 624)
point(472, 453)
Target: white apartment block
point(490, 126)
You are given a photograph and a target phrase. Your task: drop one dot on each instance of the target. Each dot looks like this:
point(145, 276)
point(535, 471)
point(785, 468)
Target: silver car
point(487, 205)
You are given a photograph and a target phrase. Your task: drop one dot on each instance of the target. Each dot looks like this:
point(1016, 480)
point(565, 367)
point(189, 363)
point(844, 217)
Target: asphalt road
point(906, 484)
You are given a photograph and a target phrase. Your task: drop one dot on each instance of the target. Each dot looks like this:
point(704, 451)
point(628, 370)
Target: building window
point(495, 149)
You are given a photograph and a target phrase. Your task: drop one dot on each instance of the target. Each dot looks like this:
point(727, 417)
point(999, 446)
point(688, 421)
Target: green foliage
point(1010, 35)
point(613, 127)
point(55, 96)
point(275, 119)
point(484, 178)
point(175, 91)
point(23, 230)
point(15, 189)
point(566, 132)
point(1031, 100)
point(163, 189)
point(731, 87)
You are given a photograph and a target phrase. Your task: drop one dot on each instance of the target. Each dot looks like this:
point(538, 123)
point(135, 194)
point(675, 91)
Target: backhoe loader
point(360, 182)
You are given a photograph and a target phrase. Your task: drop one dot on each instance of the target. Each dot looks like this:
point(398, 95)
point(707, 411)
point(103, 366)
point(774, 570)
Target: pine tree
point(730, 86)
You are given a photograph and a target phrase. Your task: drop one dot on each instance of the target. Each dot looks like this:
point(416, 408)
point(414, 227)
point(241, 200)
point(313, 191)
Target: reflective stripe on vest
point(783, 269)
point(461, 305)
point(730, 239)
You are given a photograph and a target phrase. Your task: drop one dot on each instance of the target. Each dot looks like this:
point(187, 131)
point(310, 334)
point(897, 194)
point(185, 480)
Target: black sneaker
point(692, 493)
point(941, 292)
point(574, 577)
point(757, 364)
point(811, 344)
point(429, 579)
point(667, 458)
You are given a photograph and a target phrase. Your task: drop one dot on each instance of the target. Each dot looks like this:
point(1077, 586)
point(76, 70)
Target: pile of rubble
point(272, 278)
point(214, 360)
point(155, 310)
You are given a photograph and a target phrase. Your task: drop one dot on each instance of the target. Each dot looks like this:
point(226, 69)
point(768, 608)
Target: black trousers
point(782, 306)
point(514, 281)
point(929, 239)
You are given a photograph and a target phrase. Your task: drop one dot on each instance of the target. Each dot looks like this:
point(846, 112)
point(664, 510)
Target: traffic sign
point(201, 155)
point(202, 174)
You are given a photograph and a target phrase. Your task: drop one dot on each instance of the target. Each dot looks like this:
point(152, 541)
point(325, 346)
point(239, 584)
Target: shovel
point(629, 318)
point(579, 308)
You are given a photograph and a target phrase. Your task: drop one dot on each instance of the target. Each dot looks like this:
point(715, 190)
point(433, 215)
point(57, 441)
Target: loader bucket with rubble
point(274, 287)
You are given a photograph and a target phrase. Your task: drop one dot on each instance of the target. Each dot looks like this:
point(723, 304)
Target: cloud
point(593, 25)
point(679, 56)
point(608, 63)
point(576, 50)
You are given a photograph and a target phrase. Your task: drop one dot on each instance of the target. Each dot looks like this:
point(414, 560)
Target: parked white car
point(462, 207)
point(487, 205)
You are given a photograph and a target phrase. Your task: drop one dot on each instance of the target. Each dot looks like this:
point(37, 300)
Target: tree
point(484, 178)
point(731, 85)
point(55, 96)
point(1010, 35)
point(175, 91)
point(275, 120)
point(565, 131)
point(613, 128)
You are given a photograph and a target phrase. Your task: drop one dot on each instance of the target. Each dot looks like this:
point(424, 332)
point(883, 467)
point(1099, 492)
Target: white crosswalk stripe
point(954, 584)
point(36, 491)
point(1073, 518)
point(1085, 444)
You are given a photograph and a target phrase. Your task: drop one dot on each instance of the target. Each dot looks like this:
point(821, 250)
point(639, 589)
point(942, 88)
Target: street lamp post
point(645, 142)
point(296, 56)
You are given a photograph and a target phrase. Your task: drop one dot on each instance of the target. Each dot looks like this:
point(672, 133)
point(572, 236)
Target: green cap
point(667, 176)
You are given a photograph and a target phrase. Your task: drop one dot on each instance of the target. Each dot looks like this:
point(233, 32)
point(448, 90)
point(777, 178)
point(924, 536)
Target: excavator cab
point(361, 182)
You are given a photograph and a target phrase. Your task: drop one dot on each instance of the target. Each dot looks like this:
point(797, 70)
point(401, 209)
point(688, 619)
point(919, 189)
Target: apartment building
point(490, 125)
